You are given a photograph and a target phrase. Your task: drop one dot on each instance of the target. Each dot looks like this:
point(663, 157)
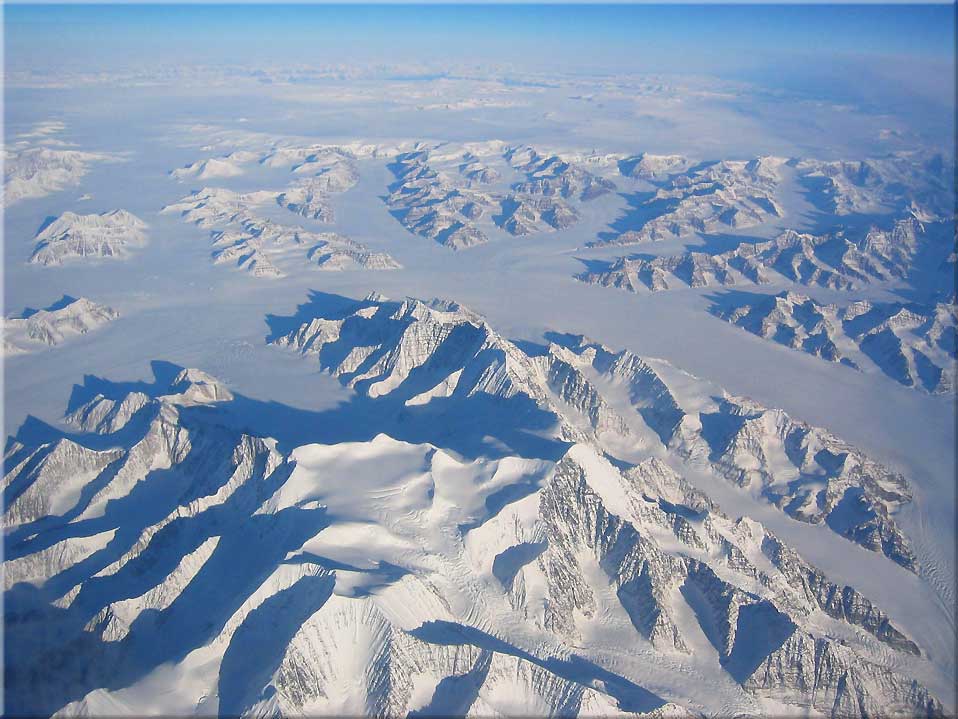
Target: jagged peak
point(193, 386)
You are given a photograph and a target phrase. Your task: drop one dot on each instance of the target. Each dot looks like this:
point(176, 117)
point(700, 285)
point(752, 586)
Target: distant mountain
point(835, 261)
point(71, 236)
point(38, 164)
point(243, 237)
point(56, 324)
point(719, 197)
point(913, 344)
point(448, 208)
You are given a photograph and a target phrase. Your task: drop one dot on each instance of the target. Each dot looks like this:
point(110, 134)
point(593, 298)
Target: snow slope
point(427, 583)
point(71, 236)
point(51, 326)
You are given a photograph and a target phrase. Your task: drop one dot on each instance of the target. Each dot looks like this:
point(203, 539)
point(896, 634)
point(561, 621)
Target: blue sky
point(893, 56)
point(637, 30)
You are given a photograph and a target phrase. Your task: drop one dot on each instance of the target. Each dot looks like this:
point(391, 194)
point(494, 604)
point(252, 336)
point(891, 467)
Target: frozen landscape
point(554, 361)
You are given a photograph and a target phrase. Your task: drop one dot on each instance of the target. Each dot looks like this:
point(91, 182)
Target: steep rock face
point(349, 658)
point(793, 320)
point(230, 542)
point(915, 345)
point(570, 386)
point(110, 234)
point(187, 544)
point(721, 196)
point(54, 559)
point(418, 353)
point(832, 680)
point(35, 488)
point(52, 326)
point(659, 555)
point(115, 544)
point(741, 626)
point(912, 344)
point(831, 261)
point(843, 603)
point(643, 576)
point(807, 472)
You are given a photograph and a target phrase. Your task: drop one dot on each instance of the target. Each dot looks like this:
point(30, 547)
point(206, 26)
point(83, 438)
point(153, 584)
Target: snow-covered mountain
point(449, 207)
point(243, 237)
point(428, 583)
point(55, 324)
point(333, 251)
point(647, 166)
point(835, 261)
point(552, 176)
point(481, 526)
point(526, 215)
point(916, 181)
point(417, 353)
point(434, 206)
point(913, 344)
point(721, 196)
point(475, 170)
point(36, 165)
point(71, 236)
point(230, 165)
point(330, 173)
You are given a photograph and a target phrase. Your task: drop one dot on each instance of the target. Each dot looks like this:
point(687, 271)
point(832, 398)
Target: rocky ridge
point(71, 236)
point(450, 208)
point(244, 238)
point(54, 325)
point(913, 344)
point(175, 508)
point(721, 196)
point(834, 261)
point(417, 353)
